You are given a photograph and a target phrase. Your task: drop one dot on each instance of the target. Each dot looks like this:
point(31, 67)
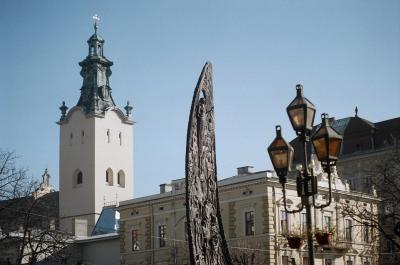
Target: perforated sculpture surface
point(206, 237)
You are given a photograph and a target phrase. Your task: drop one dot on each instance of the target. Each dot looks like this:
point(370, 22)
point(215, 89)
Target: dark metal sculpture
point(206, 237)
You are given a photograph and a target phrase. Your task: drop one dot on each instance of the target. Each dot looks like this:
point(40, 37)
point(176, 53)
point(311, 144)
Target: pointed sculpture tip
point(206, 68)
point(208, 64)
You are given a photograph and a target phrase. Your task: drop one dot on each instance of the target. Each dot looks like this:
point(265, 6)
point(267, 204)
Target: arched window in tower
point(121, 178)
point(108, 136)
point(78, 178)
point(91, 51)
point(109, 176)
point(82, 136)
point(99, 50)
point(120, 138)
point(71, 137)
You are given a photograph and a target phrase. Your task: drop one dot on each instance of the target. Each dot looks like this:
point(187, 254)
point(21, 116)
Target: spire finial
point(356, 111)
point(128, 109)
point(96, 20)
point(63, 109)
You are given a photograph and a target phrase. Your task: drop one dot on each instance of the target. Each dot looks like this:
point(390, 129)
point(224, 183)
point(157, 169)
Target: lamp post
point(326, 142)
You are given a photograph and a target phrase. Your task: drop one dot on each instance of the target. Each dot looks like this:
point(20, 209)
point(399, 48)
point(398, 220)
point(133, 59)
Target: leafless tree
point(385, 182)
point(244, 258)
point(246, 252)
point(28, 223)
point(14, 182)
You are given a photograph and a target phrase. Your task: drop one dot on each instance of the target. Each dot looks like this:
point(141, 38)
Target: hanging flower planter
point(324, 239)
point(295, 242)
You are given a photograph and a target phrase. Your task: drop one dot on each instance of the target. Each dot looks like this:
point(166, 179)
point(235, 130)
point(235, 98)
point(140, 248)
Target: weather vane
point(96, 19)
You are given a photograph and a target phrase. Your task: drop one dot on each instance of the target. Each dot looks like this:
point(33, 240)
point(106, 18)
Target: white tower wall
point(115, 154)
point(91, 151)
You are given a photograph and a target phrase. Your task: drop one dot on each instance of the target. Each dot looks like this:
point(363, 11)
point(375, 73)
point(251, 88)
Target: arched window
point(91, 50)
point(121, 178)
point(120, 138)
point(108, 136)
point(71, 137)
point(109, 176)
point(78, 178)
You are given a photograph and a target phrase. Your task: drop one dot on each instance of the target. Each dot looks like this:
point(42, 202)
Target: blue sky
point(345, 53)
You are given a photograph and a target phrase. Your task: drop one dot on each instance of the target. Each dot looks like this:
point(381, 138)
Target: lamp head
point(327, 142)
point(301, 112)
point(281, 155)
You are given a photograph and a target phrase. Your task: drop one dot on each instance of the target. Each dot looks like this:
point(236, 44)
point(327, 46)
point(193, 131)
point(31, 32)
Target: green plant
point(329, 230)
point(295, 233)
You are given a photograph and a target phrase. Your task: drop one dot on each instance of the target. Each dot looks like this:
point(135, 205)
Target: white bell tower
point(96, 147)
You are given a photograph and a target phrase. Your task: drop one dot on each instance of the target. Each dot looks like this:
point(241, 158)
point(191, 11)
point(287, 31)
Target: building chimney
point(244, 170)
point(165, 188)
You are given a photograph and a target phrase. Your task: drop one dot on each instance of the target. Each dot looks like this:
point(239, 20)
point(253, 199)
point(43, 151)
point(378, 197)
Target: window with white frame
point(249, 223)
point(162, 230)
point(284, 221)
point(366, 233)
point(348, 227)
point(327, 221)
point(135, 240)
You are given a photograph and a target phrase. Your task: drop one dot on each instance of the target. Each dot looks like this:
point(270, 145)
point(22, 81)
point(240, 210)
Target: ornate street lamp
point(326, 142)
point(301, 112)
point(281, 154)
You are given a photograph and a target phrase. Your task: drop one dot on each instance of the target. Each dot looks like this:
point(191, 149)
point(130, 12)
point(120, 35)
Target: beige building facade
point(153, 227)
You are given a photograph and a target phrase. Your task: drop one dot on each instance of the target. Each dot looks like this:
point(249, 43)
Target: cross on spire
point(96, 20)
